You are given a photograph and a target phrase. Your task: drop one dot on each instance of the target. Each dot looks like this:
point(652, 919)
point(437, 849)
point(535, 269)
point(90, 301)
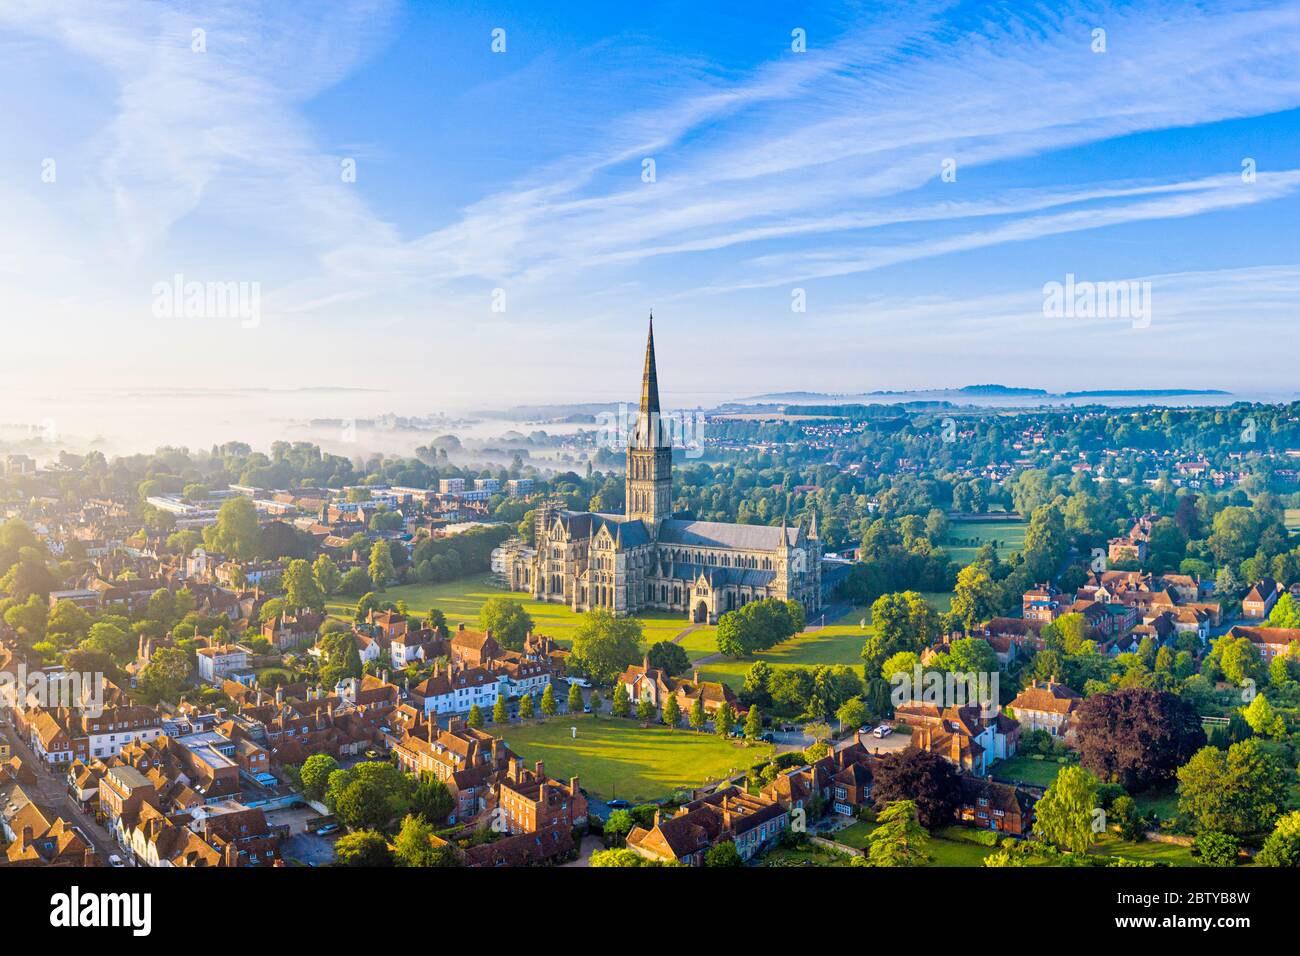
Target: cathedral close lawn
point(618, 758)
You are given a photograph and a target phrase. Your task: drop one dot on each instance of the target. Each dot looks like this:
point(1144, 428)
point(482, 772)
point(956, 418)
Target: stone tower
point(649, 452)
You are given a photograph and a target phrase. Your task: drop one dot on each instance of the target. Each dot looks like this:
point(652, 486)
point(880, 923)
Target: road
point(51, 791)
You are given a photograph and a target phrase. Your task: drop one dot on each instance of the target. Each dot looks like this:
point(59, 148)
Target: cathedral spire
point(649, 378)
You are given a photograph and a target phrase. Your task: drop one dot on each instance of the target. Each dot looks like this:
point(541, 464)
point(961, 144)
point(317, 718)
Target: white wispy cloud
point(809, 166)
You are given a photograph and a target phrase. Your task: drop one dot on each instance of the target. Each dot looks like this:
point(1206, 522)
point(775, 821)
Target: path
point(681, 635)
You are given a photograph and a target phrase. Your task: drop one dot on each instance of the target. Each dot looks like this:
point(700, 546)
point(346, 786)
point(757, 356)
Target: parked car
point(767, 737)
point(115, 861)
point(884, 730)
point(373, 754)
point(586, 708)
point(327, 829)
point(580, 681)
point(619, 805)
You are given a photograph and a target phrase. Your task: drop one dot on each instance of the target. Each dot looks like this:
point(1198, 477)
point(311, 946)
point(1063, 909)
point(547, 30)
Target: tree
point(922, 778)
point(315, 773)
point(669, 657)
point(698, 718)
point(619, 858)
point(899, 839)
point(237, 533)
point(526, 707)
point(724, 720)
point(1285, 613)
point(414, 843)
point(902, 621)
point(604, 645)
point(166, 673)
point(753, 724)
point(1064, 815)
point(575, 699)
point(1124, 813)
point(1263, 718)
point(301, 589)
point(1137, 737)
point(672, 713)
point(595, 702)
point(757, 688)
point(499, 712)
point(475, 718)
point(366, 848)
point(355, 583)
point(975, 596)
point(1240, 792)
point(723, 854)
point(431, 800)
point(327, 575)
point(1282, 848)
point(549, 705)
point(645, 711)
point(381, 564)
point(618, 826)
point(755, 627)
point(506, 620)
point(622, 705)
point(852, 713)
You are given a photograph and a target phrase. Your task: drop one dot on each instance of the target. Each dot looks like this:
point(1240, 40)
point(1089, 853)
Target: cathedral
point(647, 559)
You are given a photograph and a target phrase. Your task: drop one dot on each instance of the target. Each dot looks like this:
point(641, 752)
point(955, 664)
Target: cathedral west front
point(647, 559)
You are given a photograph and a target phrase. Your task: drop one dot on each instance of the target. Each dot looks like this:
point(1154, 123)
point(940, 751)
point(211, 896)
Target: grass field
point(1170, 853)
point(461, 600)
point(615, 757)
point(1009, 536)
point(942, 851)
point(1293, 520)
point(1038, 773)
point(839, 642)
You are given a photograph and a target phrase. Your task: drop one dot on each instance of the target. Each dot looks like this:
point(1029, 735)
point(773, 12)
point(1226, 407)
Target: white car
point(115, 861)
point(884, 730)
point(580, 681)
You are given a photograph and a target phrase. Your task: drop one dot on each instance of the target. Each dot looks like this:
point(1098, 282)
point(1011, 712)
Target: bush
point(1216, 848)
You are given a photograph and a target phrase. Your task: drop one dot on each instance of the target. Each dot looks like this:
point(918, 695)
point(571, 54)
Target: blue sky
point(775, 171)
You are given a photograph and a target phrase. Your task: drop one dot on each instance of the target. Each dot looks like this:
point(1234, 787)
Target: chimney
point(695, 676)
point(540, 770)
point(573, 786)
point(433, 731)
point(645, 662)
point(656, 815)
point(460, 626)
point(514, 768)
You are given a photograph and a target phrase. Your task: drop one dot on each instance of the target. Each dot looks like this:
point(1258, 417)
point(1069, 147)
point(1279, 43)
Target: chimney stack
point(540, 770)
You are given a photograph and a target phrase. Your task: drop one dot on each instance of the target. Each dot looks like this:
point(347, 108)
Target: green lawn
point(839, 642)
point(1293, 520)
point(1038, 773)
point(1162, 802)
point(461, 600)
point(966, 537)
point(942, 851)
point(615, 757)
point(1170, 853)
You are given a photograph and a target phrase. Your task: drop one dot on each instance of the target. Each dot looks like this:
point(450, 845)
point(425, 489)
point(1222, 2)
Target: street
point(51, 790)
